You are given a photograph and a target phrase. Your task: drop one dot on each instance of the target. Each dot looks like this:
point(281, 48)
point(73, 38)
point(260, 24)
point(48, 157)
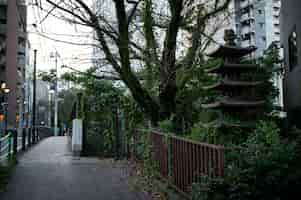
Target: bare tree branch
point(133, 11)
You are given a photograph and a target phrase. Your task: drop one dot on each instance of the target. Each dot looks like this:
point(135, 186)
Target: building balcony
point(277, 4)
point(247, 43)
point(246, 18)
point(2, 61)
point(246, 4)
point(21, 2)
point(3, 2)
point(22, 50)
point(247, 30)
point(22, 34)
point(21, 62)
point(2, 29)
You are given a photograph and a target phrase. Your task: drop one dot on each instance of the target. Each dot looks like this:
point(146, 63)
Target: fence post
point(9, 145)
point(23, 139)
point(122, 136)
point(15, 146)
point(29, 136)
point(134, 150)
point(169, 156)
point(33, 138)
point(117, 133)
point(36, 135)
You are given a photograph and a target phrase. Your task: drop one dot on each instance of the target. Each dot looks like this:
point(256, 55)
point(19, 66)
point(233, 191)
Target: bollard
point(23, 139)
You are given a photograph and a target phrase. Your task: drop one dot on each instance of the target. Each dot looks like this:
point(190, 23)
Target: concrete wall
point(262, 32)
point(13, 24)
point(290, 19)
point(11, 60)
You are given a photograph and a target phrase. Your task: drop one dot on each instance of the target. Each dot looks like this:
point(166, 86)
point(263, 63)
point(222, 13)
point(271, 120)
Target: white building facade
point(257, 23)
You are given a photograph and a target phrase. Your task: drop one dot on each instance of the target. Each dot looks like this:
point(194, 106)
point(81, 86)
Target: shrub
point(265, 167)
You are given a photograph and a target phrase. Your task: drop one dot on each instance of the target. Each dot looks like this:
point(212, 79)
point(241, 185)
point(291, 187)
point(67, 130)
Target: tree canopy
point(165, 39)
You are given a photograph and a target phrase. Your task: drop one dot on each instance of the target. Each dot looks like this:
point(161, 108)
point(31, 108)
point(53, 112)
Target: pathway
point(49, 172)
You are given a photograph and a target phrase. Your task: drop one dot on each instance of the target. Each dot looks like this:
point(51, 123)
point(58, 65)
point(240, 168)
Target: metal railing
point(6, 148)
point(181, 161)
point(13, 142)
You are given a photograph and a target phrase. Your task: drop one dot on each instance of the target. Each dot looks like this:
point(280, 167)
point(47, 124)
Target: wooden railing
point(182, 161)
point(191, 160)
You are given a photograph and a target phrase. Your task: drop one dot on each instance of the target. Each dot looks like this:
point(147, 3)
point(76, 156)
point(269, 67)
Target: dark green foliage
point(265, 167)
point(102, 100)
point(48, 76)
point(270, 69)
point(5, 173)
point(224, 128)
point(68, 98)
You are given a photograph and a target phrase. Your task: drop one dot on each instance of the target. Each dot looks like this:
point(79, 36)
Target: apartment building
point(13, 56)
point(257, 23)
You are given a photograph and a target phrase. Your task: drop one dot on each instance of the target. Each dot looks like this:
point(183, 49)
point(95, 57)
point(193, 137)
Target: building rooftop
point(232, 103)
point(231, 51)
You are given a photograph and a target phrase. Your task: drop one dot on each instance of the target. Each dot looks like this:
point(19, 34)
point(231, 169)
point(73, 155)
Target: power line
point(63, 41)
point(48, 12)
point(67, 35)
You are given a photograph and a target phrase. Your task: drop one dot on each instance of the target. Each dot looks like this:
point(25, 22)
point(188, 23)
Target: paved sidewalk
point(49, 172)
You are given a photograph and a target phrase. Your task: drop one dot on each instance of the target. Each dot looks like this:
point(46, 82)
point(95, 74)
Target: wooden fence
point(183, 161)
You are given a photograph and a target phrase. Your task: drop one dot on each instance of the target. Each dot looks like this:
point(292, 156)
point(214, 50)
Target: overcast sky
point(48, 28)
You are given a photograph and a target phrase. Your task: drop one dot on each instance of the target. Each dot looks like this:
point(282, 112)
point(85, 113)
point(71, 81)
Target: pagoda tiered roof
point(223, 84)
point(231, 67)
point(232, 103)
point(224, 123)
point(228, 51)
point(237, 88)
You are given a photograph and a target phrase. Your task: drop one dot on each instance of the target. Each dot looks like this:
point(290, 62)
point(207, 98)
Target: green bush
point(5, 173)
point(265, 168)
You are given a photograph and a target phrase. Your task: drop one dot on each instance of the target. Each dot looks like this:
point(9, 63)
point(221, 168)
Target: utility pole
point(56, 98)
point(33, 122)
point(50, 109)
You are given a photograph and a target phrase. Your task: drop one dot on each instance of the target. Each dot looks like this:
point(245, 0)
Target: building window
point(260, 12)
point(261, 25)
point(293, 50)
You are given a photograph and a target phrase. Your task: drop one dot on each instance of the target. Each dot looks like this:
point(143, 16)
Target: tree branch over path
point(103, 77)
point(134, 35)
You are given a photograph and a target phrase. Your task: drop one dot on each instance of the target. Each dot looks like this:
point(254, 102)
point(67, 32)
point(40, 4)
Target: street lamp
point(4, 90)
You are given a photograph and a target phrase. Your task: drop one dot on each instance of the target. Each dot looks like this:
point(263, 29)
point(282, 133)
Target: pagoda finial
point(230, 37)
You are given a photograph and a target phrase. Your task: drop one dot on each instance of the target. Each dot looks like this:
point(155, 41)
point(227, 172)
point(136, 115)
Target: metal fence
point(5, 148)
point(182, 161)
point(14, 142)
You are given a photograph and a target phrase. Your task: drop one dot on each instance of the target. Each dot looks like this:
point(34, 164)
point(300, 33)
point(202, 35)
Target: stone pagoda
point(237, 83)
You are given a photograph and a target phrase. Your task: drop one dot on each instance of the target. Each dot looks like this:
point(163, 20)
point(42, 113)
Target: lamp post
point(33, 125)
point(55, 55)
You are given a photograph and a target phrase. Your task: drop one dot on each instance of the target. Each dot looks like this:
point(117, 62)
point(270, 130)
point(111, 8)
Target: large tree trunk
point(140, 94)
point(168, 88)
